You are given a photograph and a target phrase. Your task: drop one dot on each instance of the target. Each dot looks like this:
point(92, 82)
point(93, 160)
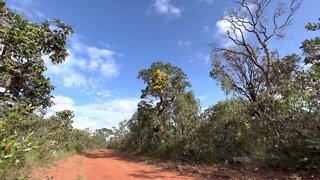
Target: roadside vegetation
point(27, 135)
point(272, 115)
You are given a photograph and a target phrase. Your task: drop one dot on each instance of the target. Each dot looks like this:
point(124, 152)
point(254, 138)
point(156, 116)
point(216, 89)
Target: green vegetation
point(27, 136)
point(273, 115)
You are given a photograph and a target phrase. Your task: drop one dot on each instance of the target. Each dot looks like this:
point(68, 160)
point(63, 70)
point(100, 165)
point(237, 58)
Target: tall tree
point(245, 67)
point(164, 83)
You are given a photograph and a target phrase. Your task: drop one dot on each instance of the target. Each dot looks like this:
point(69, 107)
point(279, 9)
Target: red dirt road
point(105, 165)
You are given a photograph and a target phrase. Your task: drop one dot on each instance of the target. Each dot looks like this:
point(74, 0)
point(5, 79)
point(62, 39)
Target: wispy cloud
point(96, 115)
point(83, 62)
point(166, 8)
point(184, 44)
point(203, 57)
point(206, 29)
point(207, 1)
point(200, 57)
point(27, 7)
point(38, 13)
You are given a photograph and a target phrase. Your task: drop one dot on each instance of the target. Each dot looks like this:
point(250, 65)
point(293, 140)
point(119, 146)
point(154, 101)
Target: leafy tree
point(164, 82)
point(310, 85)
point(223, 133)
point(143, 129)
point(185, 113)
point(25, 93)
point(311, 81)
point(311, 46)
point(118, 136)
point(105, 133)
point(16, 137)
point(167, 126)
point(102, 135)
point(24, 44)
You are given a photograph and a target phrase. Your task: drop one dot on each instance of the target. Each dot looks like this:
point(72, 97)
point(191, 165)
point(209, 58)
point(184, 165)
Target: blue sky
point(114, 39)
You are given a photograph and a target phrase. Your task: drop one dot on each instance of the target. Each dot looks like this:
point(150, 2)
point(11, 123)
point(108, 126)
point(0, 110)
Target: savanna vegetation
point(272, 115)
point(27, 135)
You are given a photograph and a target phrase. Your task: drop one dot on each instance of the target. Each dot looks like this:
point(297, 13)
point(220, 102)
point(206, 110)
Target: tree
point(311, 49)
point(143, 129)
point(185, 113)
point(104, 133)
point(164, 83)
point(25, 93)
point(24, 44)
point(246, 67)
point(223, 131)
point(118, 136)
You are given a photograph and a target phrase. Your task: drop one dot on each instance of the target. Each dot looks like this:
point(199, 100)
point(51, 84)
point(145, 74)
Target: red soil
point(103, 164)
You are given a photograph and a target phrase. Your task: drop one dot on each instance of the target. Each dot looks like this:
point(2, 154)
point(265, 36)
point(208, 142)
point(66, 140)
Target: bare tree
point(245, 67)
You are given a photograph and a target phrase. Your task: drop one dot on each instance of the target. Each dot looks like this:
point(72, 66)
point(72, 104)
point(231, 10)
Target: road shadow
point(99, 154)
point(107, 154)
point(153, 174)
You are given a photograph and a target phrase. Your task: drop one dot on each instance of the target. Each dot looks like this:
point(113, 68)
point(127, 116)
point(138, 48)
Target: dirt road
point(105, 165)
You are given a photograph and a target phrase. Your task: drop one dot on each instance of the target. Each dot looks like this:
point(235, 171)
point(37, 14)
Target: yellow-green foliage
point(159, 82)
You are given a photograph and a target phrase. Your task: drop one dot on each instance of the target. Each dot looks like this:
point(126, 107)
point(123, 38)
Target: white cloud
point(184, 44)
point(110, 69)
point(38, 13)
point(27, 7)
point(83, 122)
point(96, 53)
point(61, 103)
point(73, 79)
point(165, 7)
point(224, 26)
point(235, 29)
point(200, 57)
point(21, 5)
point(66, 73)
point(98, 94)
point(207, 1)
point(203, 57)
point(239, 26)
point(83, 61)
point(96, 115)
point(103, 93)
point(206, 29)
